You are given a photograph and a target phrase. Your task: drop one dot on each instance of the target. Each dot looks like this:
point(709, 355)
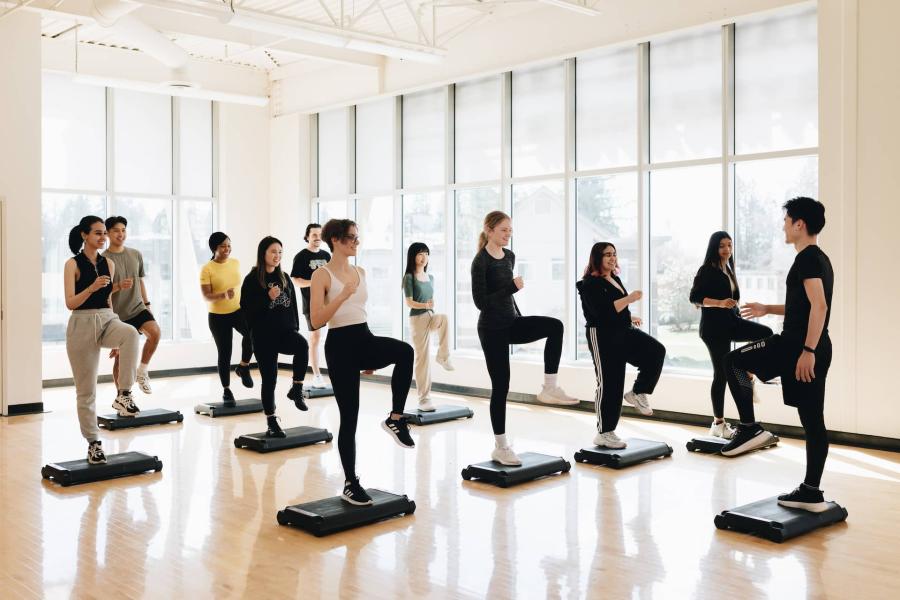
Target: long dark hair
point(261, 261)
point(411, 253)
point(215, 240)
point(596, 258)
point(712, 254)
point(84, 226)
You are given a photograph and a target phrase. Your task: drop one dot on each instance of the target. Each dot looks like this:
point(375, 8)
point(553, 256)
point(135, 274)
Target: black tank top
point(100, 298)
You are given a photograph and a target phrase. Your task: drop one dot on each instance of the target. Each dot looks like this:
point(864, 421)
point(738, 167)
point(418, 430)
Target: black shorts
point(140, 319)
point(777, 356)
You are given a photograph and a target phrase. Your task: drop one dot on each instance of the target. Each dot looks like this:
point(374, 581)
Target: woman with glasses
point(614, 340)
point(338, 298)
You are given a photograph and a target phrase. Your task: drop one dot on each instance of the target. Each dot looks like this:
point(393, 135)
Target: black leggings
point(495, 344)
point(349, 350)
point(633, 347)
point(719, 345)
point(221, 326)
point(777, 356)
point(267, 347)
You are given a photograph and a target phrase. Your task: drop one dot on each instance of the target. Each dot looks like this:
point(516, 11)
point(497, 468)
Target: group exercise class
point(502, 299)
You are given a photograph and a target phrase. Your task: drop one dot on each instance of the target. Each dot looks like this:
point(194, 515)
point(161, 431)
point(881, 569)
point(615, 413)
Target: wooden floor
point(205, 526)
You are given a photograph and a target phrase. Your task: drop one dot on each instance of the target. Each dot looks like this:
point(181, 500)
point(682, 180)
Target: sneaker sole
point(557, 401)
point(814, 507)
point(355, 502)
point(96, 462)
point(395, 438)
point(507, 464)
point(123, 413)
point(622, 447)
point(420, 409)
point(758, 441)
point(647, 412)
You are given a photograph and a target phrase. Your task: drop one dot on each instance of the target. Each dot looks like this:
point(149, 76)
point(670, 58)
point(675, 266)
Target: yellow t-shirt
point(223, 276)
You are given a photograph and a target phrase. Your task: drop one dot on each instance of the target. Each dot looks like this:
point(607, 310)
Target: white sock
point(550, 379)
point(143, 368)
point(500, 441)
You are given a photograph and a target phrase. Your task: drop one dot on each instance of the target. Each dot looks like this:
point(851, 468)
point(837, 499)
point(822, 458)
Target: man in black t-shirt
point(308, 260)
point(801, 355)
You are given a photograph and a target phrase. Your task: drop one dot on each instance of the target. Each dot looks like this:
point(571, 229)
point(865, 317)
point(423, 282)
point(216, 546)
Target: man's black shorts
point(140, 319)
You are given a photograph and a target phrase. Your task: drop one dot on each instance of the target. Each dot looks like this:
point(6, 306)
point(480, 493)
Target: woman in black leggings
point(716, 290)
point(500, 324)
point(269, 301)
point(615, 340)
point(338, 297)
point(220, 279)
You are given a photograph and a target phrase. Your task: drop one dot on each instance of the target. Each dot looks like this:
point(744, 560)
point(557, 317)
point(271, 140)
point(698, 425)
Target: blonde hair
point(491, 220)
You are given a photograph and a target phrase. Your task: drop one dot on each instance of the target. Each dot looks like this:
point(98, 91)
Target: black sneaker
point(227, 398)
point(95, 455)
point(244, 373)
point(399, 430)
point(747, 438)
point(355, 494)
point(804, 498)
point(274, 430)
point(124, 404)
point(296, 394)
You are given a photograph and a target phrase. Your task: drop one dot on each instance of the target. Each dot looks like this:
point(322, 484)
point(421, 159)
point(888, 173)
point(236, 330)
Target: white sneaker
point(425, 405)
point(445, 362)
point(124, 405)
point(555, 395)
point(721, 430)
point(639, 401)
point(143, 381)
point(506, 456)
point(609, 440)
point(318, 382)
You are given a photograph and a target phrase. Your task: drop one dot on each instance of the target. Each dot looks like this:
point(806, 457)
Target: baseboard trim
point(31, 408)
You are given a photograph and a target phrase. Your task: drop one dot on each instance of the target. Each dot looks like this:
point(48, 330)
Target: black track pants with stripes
point(610, 356)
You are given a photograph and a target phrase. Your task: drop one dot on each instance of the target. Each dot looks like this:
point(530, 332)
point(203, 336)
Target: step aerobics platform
point(117, 465)
point(709, 444)
point(296, 437)
point(218, 409)
point(440, 414)
point(153, 416)
point(769, 520)
point(318, 392)
point(638, 451)
point(324, 517)
point(533, 466)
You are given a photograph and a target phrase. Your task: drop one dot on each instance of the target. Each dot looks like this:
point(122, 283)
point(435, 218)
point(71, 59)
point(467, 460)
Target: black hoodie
point(267, 317)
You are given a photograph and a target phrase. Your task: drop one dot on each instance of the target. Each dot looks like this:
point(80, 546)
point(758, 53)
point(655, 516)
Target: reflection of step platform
point(324, 517)
point(440, 414)
point(296, 437)
point(318, 392)
point(533, 466)
point(218, 409)
point(117, 465)
point(709, 444)
point(637, 451)
point(767, 519)
point(153, 416)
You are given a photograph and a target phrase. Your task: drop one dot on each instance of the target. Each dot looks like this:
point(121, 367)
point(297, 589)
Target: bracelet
point(808, 349)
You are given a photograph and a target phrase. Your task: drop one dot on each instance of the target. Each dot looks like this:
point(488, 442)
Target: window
point(538, 120)
point(424, 220)
point(478, 130)
point(334, 178)
point(375, 146)
point(606, 109)
point(424, 147)
point(334, 209)
point(142, 142)
point(195, 220)
point(195, 173)
point(73, 140)
point(377, 255)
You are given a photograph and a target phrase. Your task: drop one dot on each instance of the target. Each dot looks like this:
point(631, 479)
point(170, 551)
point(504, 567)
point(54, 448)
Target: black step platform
point(637, 451)
point(324, 517)
point(766, 519)
point(709, 444)
point(218, 409)
point(117, 465)
point(440, 414)
point(533, 466)
point(318, 392)
point(296, 437)
point(153, 416)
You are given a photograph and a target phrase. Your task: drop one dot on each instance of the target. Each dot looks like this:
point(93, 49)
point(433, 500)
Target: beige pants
point(87, 332)
point(421, 327)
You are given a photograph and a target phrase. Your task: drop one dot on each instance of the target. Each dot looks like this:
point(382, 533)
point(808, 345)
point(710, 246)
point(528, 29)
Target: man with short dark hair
point(305, 263)
point(801, 355)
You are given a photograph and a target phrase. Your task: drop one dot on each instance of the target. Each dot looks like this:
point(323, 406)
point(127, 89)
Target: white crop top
point(353, 310)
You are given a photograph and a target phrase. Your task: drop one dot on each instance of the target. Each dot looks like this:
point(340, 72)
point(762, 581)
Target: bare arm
point(144, 292)
point(631, 298)
point(302, 283)
point(815, 291)
point(70, 274)
point(413, 304)
point(320, 312)
point(206, 290)
point(755, 309)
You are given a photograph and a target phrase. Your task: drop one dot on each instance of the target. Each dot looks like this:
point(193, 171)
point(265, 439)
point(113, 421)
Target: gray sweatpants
point(89, 331)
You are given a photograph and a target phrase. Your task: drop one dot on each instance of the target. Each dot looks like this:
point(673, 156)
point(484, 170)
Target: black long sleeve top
point(265, 316)
point(493, 289)
point(711, 282)
point(597, 298)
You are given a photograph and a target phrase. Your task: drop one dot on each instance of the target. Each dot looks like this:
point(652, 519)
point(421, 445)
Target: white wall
point(20, 184)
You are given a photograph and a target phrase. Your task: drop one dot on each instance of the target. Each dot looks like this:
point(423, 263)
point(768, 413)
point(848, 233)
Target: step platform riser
point(296, 438)
point(154, 416)
point(534, 466)
point(638, 451)
point(441, 414)
point(218, 409)
point(331, 515)
point(313, 393)
point(768, 520)
point(714, 445)
point(74, 472)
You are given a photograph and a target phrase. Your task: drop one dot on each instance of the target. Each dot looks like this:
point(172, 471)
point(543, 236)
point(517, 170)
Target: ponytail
point(491, 220)
point(83, 227)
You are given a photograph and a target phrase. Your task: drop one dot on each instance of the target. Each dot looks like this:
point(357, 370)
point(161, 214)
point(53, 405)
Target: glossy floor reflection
point(205, 526)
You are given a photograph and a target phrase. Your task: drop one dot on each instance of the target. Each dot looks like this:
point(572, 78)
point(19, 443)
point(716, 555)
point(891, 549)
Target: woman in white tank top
point(338, 297)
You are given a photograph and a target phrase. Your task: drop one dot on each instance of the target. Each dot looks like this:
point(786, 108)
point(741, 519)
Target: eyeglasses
point(353, 239)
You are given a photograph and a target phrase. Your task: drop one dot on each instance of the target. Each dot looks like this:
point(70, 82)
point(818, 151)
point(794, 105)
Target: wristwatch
point(808, 349)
